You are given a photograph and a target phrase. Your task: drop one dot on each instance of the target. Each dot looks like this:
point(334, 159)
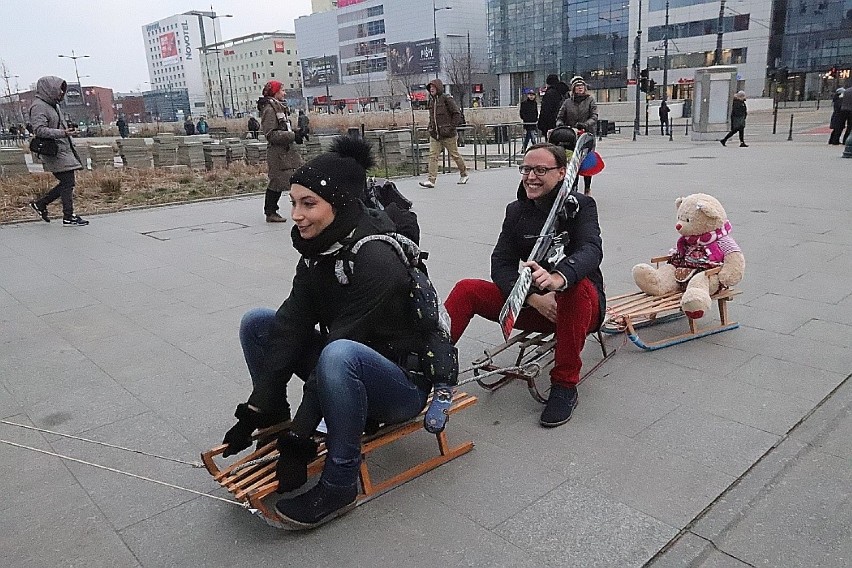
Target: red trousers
point(577, 313)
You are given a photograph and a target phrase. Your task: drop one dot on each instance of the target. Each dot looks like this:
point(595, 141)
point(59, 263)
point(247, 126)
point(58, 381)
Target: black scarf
point(345, 221)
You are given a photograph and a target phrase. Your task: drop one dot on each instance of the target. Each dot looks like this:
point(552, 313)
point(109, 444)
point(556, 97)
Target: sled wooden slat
point(253, 483)
point(628, 312)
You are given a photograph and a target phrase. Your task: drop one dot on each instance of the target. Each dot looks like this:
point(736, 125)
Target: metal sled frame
point(251, 479)
point(629, 312)
point(536, 351)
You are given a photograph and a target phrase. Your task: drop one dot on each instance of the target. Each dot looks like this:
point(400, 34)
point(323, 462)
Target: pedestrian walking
point(304, 125)
point(837, 120)
point(189, 126)
point(738, 119)
point(121, 124)
point(444, 117)
point(551, 102)
point(47, 122)
point(846, 110)
point(579, 111)
point(282, 158)
point(665, 126)
point(529, 116)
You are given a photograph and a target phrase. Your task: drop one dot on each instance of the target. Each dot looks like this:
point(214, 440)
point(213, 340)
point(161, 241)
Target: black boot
point(560, 406)
point(295, 455)
point(317, 506)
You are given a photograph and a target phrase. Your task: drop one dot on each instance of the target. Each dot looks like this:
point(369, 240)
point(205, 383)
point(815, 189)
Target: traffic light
point(643, 80)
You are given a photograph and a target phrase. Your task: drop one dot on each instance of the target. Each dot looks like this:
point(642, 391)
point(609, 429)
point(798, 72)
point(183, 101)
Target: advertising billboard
point(279, 45)
point(413, 57)
point(168, 47)
point(318, 71)
point(344, 3)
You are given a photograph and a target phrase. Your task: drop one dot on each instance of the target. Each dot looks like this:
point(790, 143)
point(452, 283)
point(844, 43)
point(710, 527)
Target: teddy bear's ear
point(678, 201)
point(709, 209)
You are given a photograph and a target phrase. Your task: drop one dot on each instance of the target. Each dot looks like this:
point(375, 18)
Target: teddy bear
point(705, 243)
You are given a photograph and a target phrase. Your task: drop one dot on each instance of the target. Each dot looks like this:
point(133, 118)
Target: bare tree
point(459, 66)
point(407, 83)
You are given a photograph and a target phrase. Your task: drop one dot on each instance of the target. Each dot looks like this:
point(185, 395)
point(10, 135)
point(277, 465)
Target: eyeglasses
point(539, 170)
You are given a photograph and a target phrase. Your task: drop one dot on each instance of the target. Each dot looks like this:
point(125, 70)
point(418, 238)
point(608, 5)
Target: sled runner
point(535, 353)
point(629, 312)
point(251, 478)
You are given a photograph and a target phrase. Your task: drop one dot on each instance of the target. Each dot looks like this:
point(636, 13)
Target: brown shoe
point(275, 218)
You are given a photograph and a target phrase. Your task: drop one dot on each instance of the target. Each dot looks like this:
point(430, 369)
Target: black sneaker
point(74, 220)
point(316, 506)
point(42, 211)
point(560, 406)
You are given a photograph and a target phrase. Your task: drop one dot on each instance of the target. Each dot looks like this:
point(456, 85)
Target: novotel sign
point(187, 45)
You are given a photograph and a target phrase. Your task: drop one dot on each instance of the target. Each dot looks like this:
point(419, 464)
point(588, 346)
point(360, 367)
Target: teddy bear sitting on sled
point(705, 243)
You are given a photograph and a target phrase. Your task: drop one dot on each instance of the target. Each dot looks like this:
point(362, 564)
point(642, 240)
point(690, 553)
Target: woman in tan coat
point(282, 157)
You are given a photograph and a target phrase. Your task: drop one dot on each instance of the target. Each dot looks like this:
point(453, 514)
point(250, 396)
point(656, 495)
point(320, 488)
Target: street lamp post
point(636, 55)
point(213, 16)
point(717, 55)
point(75, 57)
point(666, 65)
point(435, 31)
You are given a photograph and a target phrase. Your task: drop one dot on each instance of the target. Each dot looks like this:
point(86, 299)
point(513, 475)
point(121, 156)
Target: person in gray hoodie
point(47, 122)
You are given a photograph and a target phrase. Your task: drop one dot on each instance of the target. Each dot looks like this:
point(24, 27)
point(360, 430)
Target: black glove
point(239, 437)
point(295, 453)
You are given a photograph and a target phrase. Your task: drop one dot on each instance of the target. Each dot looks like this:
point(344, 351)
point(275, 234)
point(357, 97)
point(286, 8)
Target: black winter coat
point(373, 309)
point(529, 113)
point(551, 101)
point(523, 222)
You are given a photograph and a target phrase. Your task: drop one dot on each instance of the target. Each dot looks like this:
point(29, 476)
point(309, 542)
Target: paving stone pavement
point(732, 450)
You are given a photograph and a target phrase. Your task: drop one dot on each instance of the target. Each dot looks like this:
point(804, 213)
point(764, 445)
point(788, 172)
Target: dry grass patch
point(108, 190)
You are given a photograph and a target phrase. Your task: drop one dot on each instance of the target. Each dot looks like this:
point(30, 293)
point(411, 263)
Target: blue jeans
point(355, 382)
point(529, 138)
point(269, 393)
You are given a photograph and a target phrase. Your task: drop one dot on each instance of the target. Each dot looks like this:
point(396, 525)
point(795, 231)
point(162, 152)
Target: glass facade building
point(809, 38)
point(530, 40)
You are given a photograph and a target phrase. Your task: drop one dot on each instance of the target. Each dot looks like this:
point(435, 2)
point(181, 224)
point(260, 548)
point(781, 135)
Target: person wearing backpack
point(444, 117)
point(47, 122)
point(354, 340)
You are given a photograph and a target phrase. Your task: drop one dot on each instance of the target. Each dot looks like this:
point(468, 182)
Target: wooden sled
point(629, 312)
point(251, 478)
point(536, 352)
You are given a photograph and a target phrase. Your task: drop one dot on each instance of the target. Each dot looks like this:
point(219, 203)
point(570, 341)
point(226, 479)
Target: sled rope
point(176, 460)
point(127, 473)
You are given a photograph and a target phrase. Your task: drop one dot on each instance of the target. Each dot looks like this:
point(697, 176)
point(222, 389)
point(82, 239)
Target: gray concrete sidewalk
point(728, 451)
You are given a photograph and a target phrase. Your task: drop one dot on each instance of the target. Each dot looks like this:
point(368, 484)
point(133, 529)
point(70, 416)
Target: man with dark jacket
point(529, 116)
point(444, 117)
point(567, 297)
point(550, 103)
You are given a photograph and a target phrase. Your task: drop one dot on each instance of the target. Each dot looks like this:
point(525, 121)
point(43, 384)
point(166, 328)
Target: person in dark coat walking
point(121, 124)
point(353, 342)
point(738, 119)
point(837, 120)
point(551, 101)
point(47, 122)
point(253, 127)
point(189, 126)
point(665, 126)
point(568, 298)
point(846, 111)
point(529, 116)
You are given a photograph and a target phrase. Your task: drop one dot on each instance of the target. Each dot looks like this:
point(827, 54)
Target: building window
point(271, 63)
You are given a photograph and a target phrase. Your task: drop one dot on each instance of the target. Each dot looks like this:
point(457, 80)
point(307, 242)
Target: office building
point(172, 49)
point(237, 69)
point(377, 54)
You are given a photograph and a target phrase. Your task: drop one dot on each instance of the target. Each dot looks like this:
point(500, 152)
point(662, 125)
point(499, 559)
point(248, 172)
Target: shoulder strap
point(408, 252)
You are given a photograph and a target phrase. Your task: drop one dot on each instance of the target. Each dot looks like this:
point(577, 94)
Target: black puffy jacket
point(523, 222)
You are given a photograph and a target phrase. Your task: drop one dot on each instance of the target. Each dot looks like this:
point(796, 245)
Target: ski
point(518, 295)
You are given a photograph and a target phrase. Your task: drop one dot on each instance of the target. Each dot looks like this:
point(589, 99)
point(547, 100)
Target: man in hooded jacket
point(47, 122)
point(444, 117)
point(551, 101)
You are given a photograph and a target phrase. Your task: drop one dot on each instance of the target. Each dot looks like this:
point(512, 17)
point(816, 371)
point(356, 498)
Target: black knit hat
point(552, 79)
point(340, 175)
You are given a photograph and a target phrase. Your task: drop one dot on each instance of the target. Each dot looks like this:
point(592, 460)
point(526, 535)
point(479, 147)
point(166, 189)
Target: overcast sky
point(35, 32)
